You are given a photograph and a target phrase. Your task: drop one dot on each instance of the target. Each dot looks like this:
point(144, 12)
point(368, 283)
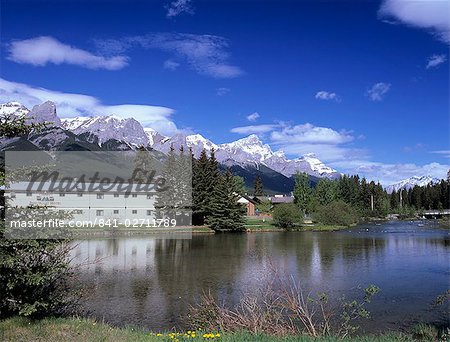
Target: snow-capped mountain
point(249, 151)
point(13, 108)
point(45, 112)
point(109, 127)
point(411, 182)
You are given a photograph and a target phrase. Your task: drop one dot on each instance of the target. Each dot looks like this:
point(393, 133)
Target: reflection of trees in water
point(112, 246)
point(186, 268)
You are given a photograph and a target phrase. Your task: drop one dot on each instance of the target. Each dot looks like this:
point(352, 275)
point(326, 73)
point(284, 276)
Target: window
point(116, 211)
point(116, 195)
point(80, 194)
point(29, 194)
point(99, 213)
point(134, 211)
point(100, 196)
point(149, 213)
point(134, 195)
point(62, 194)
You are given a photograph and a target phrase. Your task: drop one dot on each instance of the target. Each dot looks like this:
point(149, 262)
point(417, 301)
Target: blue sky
point(364, 85)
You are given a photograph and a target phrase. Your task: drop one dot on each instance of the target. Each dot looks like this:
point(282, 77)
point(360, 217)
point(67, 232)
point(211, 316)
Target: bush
point(286, 215)
point(35, 278)
point(336, 213)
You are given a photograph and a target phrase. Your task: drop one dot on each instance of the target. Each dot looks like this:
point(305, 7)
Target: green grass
point(255, 224)
point(80, 329)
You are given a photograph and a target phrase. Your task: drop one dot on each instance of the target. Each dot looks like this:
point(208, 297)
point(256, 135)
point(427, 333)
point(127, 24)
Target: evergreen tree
point(143, 165)
point(325, 191)
point(226, 214)
point(394, 200)
point(200, 188)
point(259, 190)
point(302, 191)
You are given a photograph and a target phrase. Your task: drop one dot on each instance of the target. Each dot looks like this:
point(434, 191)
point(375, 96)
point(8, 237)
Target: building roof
point(284, 199)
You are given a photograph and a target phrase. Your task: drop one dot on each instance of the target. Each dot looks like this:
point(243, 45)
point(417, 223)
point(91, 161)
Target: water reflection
point(151, 282)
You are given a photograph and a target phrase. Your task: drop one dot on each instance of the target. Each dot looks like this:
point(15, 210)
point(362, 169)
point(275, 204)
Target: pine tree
point(258, 185)
point(143, 165)
point(394, 200)
point(226, 214)
point(200, 188)
point(302, 191)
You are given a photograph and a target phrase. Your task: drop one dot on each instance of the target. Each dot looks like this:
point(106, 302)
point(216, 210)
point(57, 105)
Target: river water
point(151, 281)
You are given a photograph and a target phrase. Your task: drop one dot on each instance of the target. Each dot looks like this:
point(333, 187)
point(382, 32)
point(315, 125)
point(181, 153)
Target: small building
point(249, 203)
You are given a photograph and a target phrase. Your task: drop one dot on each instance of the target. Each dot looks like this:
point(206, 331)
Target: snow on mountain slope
point(153, 136)
point(13, 108)
point(109, 127)
point(249, 151)
point(411, 182)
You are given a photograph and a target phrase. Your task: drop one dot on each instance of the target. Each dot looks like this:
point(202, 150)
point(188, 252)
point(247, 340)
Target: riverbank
point(80, 329)
point(251, 225)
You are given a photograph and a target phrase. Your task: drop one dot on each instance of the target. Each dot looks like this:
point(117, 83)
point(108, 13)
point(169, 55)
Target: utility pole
point(371, 202)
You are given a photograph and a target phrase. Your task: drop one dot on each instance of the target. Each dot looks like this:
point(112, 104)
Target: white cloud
point(177, 7)
point(337, 149)
point(444, 153)
point(308, 133)
point(222, 91)
point(253, 117)
point(253, 129)
point(206, 54)
point(325, 95)
point(387, 173)
point(41, 51)
point(435, 60)
point(171, 65)
point(432, 15)
point(378, 90)
point(71, 105)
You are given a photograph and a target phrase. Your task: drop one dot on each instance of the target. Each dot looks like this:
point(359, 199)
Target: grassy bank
point(63, 329)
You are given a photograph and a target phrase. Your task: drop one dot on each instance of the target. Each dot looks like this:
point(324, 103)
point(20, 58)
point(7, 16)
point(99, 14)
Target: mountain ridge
point(247, 151)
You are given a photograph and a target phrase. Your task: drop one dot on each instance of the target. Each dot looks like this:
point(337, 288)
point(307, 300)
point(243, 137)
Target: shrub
point(286, 215)
point(336, 213)
point(35, 278)
point(425, 332)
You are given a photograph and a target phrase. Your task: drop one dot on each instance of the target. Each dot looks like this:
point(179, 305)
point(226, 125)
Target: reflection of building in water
point(119, 202)
point(114, 254)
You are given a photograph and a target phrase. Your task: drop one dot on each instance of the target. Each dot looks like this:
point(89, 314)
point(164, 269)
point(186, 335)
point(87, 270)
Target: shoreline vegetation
point(252, 225)
point(85, 329)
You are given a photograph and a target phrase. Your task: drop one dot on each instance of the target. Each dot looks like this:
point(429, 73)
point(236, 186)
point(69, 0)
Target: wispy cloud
point(430, 15)
point(253, 117)
point(71, 105)
point(387, 173)
point(41, 51)
point(444, 153)
point(435, 60)
point(171, 65)
point(254, 129)
point(378, 90)
point(206, 54)
point(222, 91)
point(178, 7)
point(328, 96)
